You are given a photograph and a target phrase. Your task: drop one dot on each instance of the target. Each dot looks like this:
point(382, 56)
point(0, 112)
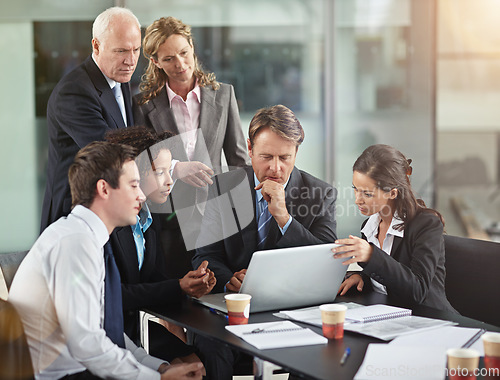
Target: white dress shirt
point(370, 230)
point(58, 291)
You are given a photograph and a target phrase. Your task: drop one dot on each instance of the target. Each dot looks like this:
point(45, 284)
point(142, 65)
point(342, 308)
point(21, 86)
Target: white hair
point(101, 23)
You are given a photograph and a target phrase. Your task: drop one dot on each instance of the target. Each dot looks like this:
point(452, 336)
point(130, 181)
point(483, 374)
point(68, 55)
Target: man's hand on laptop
point(274, 194)
point(199, 282)
point(234, 284)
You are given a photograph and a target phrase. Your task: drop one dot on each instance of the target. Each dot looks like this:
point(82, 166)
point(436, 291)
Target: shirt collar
point(94, 222)
point(172, 95)
point(371, 226)
point(258, 193)
point(144, 218)
point(112, 83)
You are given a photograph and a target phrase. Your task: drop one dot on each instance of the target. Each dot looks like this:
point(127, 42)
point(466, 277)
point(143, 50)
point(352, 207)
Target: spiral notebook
point(380, 321)
point(374, 313)
point(270, 335)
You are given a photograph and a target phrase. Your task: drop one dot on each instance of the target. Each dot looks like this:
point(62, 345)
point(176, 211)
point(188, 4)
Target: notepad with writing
point(374, 313)
point(276, 335)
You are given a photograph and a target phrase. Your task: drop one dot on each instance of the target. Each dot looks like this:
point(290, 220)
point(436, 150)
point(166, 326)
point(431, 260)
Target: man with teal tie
point(289, 207)
point(271, 204)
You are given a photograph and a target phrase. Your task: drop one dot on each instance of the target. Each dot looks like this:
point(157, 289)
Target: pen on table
point(218, 312)
point(347, 352)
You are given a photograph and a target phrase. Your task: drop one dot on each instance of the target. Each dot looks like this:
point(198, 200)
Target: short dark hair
point(143, 139)
point(98, 160)
point(279, 119)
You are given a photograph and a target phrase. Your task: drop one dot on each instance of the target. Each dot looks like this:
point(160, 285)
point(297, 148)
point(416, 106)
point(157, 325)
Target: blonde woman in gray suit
point(178, 96)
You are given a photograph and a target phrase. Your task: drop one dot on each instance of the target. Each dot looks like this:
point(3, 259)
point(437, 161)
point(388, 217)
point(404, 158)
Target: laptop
point(280, 279)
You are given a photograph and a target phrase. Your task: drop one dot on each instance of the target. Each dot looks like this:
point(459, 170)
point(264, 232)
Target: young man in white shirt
point(59, 288)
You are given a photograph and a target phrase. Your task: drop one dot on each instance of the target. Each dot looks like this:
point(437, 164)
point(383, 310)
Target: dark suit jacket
point(414, 272)
point(231, 220)
point(81, 109)
point(147, 287)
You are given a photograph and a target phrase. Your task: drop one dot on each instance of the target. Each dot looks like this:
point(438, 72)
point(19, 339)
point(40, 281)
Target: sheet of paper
point(276, 335)
point(391, 328)
point(385, 361)
point(447, 336)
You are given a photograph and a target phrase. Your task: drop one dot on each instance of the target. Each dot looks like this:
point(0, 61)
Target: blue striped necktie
point(263, 224)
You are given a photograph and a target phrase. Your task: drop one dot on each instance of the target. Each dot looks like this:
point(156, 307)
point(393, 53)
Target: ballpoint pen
point(218, 312)
point(347, 352)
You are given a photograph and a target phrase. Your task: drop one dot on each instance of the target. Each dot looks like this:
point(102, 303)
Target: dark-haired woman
point(402, 248)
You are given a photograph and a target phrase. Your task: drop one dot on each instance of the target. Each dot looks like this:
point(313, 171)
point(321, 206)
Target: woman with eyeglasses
point(401, 250)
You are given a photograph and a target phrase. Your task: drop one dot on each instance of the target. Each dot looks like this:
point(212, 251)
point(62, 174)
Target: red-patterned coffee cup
point(491, 342)
point(333, 316)
point(238, 308)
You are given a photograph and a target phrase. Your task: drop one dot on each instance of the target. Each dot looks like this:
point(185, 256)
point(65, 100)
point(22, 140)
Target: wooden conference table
point(311, 362)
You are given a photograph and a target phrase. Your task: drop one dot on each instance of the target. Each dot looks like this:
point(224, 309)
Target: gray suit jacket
point(230, 220)
point(219, 123)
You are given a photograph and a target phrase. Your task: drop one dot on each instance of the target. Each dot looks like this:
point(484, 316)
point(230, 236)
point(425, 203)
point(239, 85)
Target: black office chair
point(9, 262)
point(15, 359)
point(473, 277)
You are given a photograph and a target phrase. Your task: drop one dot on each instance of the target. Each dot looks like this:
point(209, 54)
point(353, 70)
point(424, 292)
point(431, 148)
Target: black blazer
point(81, 109)
point(310, 202)
point(414, 272)
point(147, 287)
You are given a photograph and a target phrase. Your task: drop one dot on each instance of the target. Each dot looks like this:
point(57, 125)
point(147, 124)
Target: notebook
point(276, 335)
point(374, 313)
point(287, 278)
point(380, 321)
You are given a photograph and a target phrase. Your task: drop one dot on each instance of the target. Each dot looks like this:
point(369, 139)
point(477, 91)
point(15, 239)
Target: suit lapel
point(208, 121)
point(395, 246)
point(249, 233)
point(105, 92)
point(128, 253)
point(161, 116)
point(128, 103)
point(148, 264)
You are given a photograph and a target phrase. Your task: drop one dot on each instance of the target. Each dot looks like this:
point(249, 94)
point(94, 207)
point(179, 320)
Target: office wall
point(19, 221)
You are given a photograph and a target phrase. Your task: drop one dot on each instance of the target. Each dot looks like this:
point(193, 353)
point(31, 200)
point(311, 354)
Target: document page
point(276, 335)
point(391, 328)
point(447, 337)
point(385, 361)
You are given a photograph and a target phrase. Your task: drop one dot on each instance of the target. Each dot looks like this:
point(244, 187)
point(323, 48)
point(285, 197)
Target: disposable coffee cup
point(491, 343)
point(238, 308)
point(462, 363)
point(333, 316)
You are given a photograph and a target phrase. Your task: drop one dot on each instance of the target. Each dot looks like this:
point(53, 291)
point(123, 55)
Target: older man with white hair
point(90, 100)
